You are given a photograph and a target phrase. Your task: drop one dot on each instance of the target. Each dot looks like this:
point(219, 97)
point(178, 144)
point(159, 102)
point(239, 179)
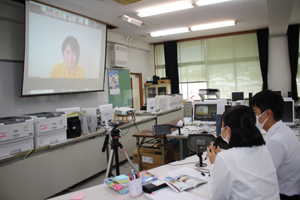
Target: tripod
point(115, 134)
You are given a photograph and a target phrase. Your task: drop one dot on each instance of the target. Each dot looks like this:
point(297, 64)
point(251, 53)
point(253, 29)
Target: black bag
point(74, 127)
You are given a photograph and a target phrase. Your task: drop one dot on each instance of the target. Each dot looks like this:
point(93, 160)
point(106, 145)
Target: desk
point(149, 134)
point(103, 191)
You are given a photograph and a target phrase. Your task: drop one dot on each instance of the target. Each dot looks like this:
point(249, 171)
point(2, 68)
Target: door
point(137, 90)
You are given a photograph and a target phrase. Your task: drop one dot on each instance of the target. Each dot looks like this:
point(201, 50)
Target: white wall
point(11, 66)
point(279, 74)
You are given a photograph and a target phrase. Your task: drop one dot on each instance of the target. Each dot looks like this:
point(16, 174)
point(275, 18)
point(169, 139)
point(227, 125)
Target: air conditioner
point(118, 56)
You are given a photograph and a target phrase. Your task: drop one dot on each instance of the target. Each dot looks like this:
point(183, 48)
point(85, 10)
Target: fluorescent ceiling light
point(132, 20)
point(169, 32)
point(213, 25)
point(207, 2)
point(165, 8)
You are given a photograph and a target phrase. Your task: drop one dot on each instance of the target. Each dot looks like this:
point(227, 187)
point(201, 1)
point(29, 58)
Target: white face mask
point(225, 139)
point(258, 125)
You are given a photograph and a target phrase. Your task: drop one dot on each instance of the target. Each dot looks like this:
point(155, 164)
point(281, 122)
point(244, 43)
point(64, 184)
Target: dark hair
point(244, 133)
point(73, 44)
point(268, 99)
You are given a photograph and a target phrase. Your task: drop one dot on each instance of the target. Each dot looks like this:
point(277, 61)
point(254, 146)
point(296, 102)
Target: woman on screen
point(246, 169)
point(69, 68)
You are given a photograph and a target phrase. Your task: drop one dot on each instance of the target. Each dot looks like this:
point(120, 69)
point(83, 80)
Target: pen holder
point(135, 187)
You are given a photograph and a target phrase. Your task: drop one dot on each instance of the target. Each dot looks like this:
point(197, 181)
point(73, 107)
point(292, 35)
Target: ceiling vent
point(126, 2)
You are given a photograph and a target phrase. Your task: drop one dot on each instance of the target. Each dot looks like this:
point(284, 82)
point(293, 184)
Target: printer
point(49, 128)
point(16, 135)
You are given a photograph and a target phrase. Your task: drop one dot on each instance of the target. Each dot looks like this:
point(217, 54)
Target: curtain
point(170, 49)
point(263, 49)
point(293, 43)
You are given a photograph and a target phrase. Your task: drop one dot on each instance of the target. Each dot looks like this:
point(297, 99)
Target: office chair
point(197, 143)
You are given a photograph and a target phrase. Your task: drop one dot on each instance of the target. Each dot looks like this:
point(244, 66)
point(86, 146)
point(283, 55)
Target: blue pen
point(132, 173)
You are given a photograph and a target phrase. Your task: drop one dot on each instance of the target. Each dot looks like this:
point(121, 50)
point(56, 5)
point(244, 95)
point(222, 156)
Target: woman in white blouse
point(245, 170)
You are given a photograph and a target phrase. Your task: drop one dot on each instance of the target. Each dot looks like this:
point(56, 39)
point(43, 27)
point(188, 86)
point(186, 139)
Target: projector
point(124, 111)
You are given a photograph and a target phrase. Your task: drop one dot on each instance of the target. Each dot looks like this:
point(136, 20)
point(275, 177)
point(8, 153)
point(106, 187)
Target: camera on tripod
point(115, 133)
point(115, 144)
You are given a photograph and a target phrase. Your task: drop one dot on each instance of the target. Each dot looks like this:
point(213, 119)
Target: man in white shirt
point(282, 143)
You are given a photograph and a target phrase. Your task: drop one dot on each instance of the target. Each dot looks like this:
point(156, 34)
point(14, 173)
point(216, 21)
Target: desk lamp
point(197, 143)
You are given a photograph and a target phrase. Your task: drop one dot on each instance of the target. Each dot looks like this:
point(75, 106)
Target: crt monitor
point(205, 112)
point(288, 111)
point(236, 96)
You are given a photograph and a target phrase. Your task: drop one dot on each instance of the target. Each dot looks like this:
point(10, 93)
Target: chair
point(198, 143)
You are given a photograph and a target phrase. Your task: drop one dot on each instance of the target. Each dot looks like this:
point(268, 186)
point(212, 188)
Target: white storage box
point(151, 104)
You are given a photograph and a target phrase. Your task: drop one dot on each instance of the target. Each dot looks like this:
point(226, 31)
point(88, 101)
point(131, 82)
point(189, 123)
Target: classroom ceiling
point(249, 15)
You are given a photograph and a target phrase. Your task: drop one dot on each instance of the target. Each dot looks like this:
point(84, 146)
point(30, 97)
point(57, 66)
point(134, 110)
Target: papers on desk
point(189, 172)
point(182, 182)
point(168, 193)
point(187, 130)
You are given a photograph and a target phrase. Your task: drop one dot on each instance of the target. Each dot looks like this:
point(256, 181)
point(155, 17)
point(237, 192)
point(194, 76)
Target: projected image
point(64, 52)
point(46, 46)
point(202, 110)
point(69, 68)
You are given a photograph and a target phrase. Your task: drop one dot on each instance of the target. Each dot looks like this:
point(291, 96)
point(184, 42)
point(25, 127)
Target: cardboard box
point(174, 148)
point(151, 158)
point(148, 83)
point(164, 81)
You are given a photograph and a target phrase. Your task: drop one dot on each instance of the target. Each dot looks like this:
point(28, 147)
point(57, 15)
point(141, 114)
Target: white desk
point(103, 191)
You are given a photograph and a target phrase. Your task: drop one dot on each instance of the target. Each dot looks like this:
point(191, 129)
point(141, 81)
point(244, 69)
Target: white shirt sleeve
point(220, 184)
point(277, 152)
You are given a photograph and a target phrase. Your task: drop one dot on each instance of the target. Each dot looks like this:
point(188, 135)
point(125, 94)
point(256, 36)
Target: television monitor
point(236, 96)
point(64, 52)
point(288, 111)
point(206, 111)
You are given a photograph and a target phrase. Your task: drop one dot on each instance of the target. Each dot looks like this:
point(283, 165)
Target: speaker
point(289, 93)
point(250, 96)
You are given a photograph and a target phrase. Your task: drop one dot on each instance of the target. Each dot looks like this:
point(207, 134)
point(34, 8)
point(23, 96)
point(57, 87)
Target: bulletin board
point(119, 89)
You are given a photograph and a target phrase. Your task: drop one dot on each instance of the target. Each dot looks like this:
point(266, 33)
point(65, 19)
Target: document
point(182, 182)
point(168, 193)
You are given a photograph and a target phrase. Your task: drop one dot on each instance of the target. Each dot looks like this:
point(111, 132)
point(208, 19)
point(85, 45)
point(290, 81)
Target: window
point(160, 61)
point(230, 64)
point(233, 65)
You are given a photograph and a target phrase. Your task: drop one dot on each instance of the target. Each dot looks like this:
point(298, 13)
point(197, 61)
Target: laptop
point(162, 129)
